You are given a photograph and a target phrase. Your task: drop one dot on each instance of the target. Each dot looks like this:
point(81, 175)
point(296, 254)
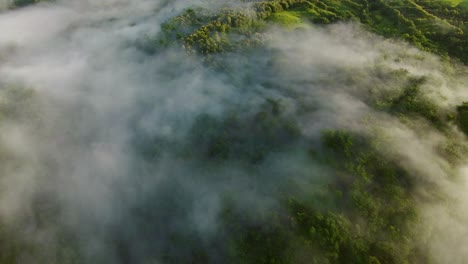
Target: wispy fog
point(102, 145)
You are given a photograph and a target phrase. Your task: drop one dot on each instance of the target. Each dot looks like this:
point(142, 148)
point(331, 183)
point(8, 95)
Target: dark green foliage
point(410, 101)
point(329, 232)
point(23, 3)
point(339, 142)
point(380, 193)
point(20, 3)
point(373, 221)
point(462, 117)
point(250, 138)
point(254, 237)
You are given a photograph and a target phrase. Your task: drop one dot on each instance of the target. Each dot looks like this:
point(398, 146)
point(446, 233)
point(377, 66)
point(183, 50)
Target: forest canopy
point(290, 131)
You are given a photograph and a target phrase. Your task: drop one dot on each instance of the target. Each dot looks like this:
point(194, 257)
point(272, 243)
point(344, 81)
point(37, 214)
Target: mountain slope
point(300, 131)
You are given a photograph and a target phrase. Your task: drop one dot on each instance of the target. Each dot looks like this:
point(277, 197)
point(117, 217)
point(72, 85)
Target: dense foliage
point(371, 216)
point(364, 212)
point(435, 26)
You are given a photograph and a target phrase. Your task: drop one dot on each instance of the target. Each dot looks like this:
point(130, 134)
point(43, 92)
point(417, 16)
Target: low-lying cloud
point(90, 100)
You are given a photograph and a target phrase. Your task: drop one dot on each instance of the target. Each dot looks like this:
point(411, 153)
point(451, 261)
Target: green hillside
point(434, 26)
point(368, 186)
point(295, 131)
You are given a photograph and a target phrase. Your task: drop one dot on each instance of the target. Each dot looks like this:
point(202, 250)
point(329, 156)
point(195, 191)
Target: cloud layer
point(100, 139)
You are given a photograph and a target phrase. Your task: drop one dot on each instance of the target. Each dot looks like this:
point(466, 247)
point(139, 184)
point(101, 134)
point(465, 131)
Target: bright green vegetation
point(434, 26)
point(286, 18)
point(453, 2)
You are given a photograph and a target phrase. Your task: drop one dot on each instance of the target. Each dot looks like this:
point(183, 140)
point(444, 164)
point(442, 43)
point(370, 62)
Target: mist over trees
point(299, 131)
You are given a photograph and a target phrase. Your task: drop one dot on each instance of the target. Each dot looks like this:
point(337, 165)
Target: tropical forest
point(233, 131)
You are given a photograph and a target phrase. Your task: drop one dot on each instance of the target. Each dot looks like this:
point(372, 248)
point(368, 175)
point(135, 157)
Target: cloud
point(99, 100)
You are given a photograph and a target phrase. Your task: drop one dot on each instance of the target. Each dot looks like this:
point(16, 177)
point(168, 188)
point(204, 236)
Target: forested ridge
point(434, 26)
point(298, 131)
